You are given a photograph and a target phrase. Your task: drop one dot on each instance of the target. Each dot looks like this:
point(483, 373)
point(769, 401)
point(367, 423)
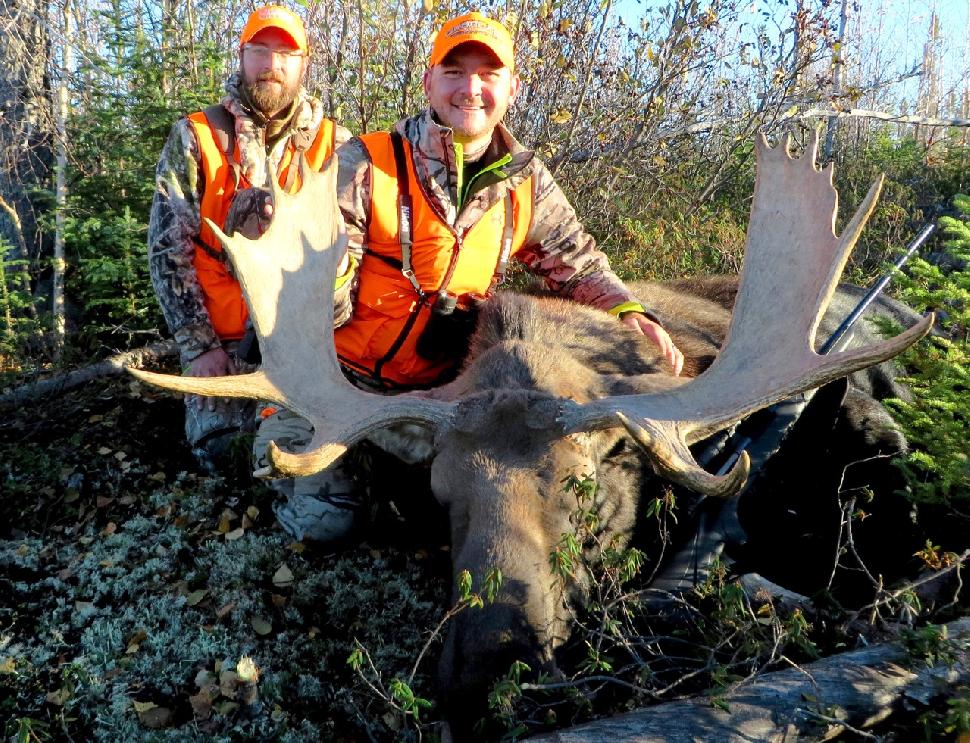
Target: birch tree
point(61, 112)
point(25, 154)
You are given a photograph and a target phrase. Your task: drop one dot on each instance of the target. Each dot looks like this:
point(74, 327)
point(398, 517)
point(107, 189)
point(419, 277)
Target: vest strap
point(302, 141)
point(498, 278)
point(219, 255)
point(296, 165)
point(390, 261)
point(404, 212)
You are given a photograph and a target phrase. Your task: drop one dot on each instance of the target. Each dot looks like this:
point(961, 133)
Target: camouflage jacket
point(557, 248)
point(174, 221)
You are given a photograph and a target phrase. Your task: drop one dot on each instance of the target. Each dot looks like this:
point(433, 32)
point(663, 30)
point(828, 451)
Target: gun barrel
point(876, 289)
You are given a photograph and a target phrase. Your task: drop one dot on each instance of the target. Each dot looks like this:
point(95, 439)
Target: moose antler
point(792, 263)
point(288, 276)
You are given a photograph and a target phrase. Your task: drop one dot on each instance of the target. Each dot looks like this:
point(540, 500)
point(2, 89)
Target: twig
point(453, 612)
point(588, 680)
point(893, 595)
point(842, 724)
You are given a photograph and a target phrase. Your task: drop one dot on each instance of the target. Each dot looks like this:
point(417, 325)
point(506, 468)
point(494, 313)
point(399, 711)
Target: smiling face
point(470, 91)
point(272, 68)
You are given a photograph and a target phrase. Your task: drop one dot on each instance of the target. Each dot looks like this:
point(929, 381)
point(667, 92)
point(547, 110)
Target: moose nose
point(479, 652)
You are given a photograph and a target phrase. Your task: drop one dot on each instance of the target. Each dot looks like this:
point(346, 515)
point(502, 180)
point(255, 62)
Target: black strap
point(405, 235)
point(405, 223)
point(399, 341)
point(219, 255)
point(390, 261)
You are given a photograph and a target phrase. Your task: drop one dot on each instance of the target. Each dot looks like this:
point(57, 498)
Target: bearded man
point(218, 164)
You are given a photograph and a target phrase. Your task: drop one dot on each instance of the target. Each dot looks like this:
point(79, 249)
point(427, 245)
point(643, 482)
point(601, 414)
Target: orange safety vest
point(222, 293)
point(389, 315)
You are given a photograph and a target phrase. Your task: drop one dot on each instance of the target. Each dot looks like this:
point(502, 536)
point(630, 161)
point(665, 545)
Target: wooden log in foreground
point(858, 689)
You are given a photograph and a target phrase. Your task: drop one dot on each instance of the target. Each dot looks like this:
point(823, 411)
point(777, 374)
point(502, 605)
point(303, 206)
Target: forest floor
point(132, 585)
point(133, 589)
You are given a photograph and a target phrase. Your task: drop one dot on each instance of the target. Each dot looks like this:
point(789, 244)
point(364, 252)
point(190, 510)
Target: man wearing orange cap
point(217, 164)
point(472, 198)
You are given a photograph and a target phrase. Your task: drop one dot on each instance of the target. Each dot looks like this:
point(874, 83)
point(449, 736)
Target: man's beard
point(269, 98)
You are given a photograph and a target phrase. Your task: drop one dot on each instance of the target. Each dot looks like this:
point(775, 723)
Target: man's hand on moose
point(659, 337)
point(264, 214)
point(213, 363)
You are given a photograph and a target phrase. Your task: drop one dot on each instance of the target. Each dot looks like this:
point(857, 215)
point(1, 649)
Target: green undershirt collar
point(468, 176)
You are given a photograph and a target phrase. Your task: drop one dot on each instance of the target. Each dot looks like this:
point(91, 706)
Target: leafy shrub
point(18, 327)
point(916, 187)
point(937, 420)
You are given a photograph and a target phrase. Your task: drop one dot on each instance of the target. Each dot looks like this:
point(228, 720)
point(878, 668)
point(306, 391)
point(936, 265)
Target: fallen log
point(111, 366)
point(849, 691)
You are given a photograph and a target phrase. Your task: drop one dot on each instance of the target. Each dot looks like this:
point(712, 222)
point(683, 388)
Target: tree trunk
point(110, 367)
point(927, 101)
point(61, 110)
point(838, 71)
point(818, 701)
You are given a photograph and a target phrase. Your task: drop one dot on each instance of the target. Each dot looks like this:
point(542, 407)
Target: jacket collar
point(306, 116)
point(437, 141)
point(436, 163)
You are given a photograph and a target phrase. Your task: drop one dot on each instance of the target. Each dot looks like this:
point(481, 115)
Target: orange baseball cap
point(276, 16)
point(473, 27)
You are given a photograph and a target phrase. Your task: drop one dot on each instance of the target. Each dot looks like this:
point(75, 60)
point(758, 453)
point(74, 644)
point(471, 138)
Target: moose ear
point(543, 413)
point(470, 414)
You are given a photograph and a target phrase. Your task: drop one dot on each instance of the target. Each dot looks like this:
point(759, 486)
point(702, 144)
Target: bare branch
point(69, 380)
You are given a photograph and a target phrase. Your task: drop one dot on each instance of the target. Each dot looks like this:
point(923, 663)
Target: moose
point(551, 389)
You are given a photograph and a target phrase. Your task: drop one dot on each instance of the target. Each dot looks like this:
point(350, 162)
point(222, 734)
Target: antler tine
point(287, 276)
point(672, 460)
point(793, 260)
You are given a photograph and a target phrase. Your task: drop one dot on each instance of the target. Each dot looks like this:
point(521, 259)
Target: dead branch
point(68, 380)
point(862, 113)
point(884, 598)
point(821, 700)
point(701, 127)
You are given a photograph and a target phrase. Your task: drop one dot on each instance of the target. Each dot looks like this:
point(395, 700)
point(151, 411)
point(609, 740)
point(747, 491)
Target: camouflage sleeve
point(341, 135)
point(558, 249)
point(342, 305)
point(353, 196)
point(172, 227)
